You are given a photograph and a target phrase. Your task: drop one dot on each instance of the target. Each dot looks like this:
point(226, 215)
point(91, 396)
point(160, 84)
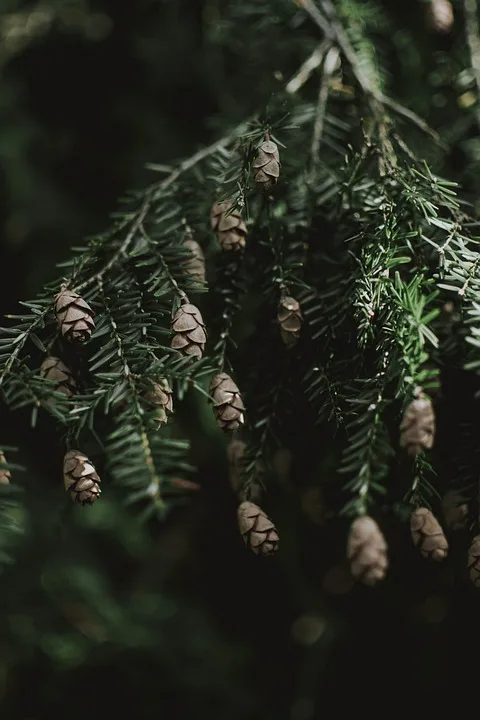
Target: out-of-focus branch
point(473, 42)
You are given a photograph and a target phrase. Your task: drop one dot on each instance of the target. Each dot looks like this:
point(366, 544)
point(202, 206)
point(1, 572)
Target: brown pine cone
point(195, 267)
point(259, 533)
point(427, 535)
point(367, 551)
point(473, 562)
point(74, 316)
point(5, 474)
point(227, 402)
point(231, 229)
point(80, 478)
point(290, 320)
point(417, 429)
point(439, 15)
point(54, 369)
point(189, 331)
point(161, 396)
point(267, 164)
point(455, 510)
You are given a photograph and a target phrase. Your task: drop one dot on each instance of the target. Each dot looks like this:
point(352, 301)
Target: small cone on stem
point(428, 535)
point(266, 165)
point(230, 227)
point(439, 14)
point(227, 402)
point(473, 562)
point(195, 266)
point(80, 478)
point(189, 333)
point(54, 369)
point(367, 551)
point(5, 474)
point(290, 319)
point(417, 429)
point(258, 531)
point(161, 397)
point(74, 316)
point(455, 510)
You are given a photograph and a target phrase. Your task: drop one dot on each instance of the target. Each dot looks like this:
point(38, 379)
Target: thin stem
point(175, 286)
point(20, 344)
point(311, 63)
point(328, 70)
point(473, 42)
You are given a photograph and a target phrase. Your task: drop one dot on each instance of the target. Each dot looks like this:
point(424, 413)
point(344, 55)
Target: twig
point(311, 63)
point(328, 70)
point(473, 42)
point(175, 286)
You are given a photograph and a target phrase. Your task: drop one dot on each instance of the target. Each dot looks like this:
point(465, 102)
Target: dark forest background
point(101, 615)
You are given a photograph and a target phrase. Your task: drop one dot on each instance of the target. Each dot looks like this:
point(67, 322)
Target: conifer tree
point(323, 210)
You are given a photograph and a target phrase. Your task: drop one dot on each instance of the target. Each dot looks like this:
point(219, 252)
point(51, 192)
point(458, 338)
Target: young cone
point(455, 510)
point(54, 369)
point(473, 562)
point(259, 533)
point(5, 474)
point(74, 317)
point(290, 320)
point(428, 535)
point(227, 402)
point(80, 478)
point(189, 331)
point(367, 551)
point(231, 229)
point(161, 396)
point(417, 429)
point(195, 267)
point(266, 165)
point(439, 16)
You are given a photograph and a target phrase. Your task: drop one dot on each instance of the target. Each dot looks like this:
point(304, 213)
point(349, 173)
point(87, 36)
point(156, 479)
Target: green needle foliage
point(381, 253)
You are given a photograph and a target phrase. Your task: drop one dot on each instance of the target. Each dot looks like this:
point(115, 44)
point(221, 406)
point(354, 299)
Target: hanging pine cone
point(227, 402)
point(427, 535)
point(5, 474)
point(161, 396)
point(367, 551)
point(189, 331)
point(231, 229)
point(439, 16)
point(54, 369)
point(80, 478)
point(473, 562)
point(455, 510)
point(417, 429)
point(259, 533)
point(195, 266)
point(74, 316)
point(290, 320)
point(267, 165)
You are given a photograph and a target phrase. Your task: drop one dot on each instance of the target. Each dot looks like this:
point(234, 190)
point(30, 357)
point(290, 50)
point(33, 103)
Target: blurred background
point(103, 615)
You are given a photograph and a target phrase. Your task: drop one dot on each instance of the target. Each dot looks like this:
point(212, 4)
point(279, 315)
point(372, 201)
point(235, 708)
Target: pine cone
point(5, 475)
point(267, 164)
point(367, 551)
point(161, 396)
point(290, 320)
point(227, 402)
point(417, 429)
point(258, 531)
point(195, 267)
point(427, 535)
point(231, 229)
point(80, 478)
point(54, 369)
point(455, 510)
point(440, 16)
point(74, 316)
point(473, 562)
point(189, 331)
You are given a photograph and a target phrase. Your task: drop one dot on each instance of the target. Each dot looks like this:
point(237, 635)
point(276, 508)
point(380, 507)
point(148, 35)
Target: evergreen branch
point(307, 68)
point(328, 70)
